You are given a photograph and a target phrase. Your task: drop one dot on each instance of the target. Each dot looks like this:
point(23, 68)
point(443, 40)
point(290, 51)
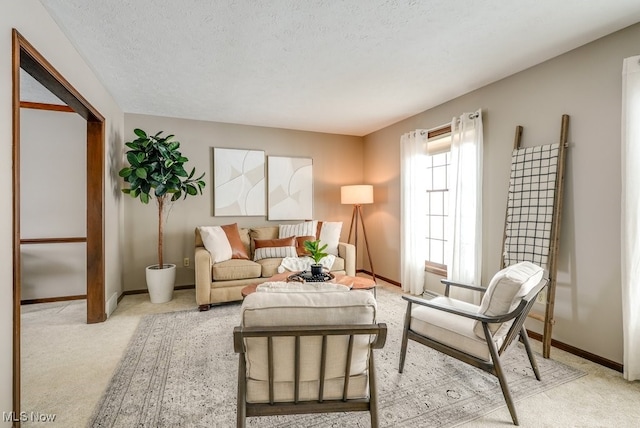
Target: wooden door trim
point(25, 56)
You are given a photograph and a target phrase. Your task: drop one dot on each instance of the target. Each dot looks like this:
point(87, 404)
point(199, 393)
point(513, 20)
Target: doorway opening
point(27, 58)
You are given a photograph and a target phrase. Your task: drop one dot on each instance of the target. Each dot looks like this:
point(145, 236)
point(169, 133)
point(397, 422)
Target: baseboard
point(145, 291)
point(390, 281)
point(579, 352)
point(53, 299)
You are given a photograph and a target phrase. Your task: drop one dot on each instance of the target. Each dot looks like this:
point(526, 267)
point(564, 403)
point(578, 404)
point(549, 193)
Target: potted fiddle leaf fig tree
point(157, 171)
point(317, 253)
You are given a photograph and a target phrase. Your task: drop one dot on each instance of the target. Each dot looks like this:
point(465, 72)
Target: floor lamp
point(357, 195)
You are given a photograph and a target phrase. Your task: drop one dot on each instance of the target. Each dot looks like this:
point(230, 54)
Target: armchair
point(478, 335)
point(307, 352)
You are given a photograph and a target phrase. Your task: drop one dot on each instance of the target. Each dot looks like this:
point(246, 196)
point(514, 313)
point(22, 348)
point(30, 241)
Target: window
point(437, 178)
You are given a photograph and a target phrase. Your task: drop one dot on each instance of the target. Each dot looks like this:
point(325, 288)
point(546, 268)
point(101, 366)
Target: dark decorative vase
point(316, 269)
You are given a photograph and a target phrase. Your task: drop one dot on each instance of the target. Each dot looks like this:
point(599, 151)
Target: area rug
point(180, 370)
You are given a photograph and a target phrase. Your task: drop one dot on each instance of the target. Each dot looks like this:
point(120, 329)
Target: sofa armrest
point(348, 253)
point(203, 267)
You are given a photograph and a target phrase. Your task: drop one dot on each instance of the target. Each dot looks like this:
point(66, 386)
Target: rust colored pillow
point(274, 248)
point(282, 242)
point(300, 245)
point(233, 235)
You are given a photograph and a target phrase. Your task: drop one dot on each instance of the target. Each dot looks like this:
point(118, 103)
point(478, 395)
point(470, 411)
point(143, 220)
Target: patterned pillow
point(307, 228)
point(273, 248)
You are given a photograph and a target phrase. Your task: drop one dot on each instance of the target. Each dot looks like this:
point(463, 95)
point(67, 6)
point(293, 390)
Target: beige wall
point(337, 160)
point(586, 84)
point(58, 138)
point(31, 20)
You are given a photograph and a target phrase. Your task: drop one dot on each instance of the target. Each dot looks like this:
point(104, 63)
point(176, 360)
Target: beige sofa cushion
point(235, 269)
point(304, 309)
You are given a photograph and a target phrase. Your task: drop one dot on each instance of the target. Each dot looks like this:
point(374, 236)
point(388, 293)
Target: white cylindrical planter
point(160, 282)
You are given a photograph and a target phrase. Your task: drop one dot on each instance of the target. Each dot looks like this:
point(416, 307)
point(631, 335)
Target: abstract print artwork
point(530, 204)
point(239, 182)
point(290, 188)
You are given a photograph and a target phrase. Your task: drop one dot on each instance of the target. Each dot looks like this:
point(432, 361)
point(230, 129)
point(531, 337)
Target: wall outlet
point(186, 262)
point(542, 297)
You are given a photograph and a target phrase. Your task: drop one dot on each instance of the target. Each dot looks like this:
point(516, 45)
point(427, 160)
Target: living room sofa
point(222, 282)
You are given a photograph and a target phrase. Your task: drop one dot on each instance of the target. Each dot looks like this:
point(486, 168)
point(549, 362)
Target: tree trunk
point(160, 231)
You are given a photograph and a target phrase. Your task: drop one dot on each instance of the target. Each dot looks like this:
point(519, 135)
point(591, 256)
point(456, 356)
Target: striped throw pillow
point(307, 228)
point(274, 248)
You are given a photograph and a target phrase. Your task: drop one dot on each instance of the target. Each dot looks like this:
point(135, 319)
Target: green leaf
point(127, 191)
point(132, 158)
point(144, 197)
point(191, 190)
point(142, 173)
point(161, 190)
point(140, 133)
point(125, 172)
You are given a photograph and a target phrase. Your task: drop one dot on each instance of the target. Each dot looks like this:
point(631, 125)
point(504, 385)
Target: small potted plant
point(156, 169)
point(317, 253)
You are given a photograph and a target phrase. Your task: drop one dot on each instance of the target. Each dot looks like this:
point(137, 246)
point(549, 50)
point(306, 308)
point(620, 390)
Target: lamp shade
point(356, 194)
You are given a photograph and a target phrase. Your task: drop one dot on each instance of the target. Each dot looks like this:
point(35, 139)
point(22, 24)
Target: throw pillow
point(238, 251)
point(223, 242)
point(306, 228)
point(330, 235)
point(272, 248)
point(300, 245)
point(505, 290)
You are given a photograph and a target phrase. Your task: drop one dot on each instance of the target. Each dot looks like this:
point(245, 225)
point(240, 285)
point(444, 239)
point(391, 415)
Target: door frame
point(26, 57)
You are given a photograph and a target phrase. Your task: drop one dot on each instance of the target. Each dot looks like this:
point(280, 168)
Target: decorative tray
point(305, 276)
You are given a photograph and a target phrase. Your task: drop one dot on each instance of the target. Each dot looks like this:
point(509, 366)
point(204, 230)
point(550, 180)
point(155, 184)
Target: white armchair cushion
point(504, 292)
point(451, 329)
point(306, 309)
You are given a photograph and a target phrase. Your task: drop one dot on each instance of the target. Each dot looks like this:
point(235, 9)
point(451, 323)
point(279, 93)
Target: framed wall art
point(290, 184)
point(238, 182)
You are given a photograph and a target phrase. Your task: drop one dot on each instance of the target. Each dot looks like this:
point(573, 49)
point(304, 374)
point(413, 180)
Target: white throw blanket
point(297, 264)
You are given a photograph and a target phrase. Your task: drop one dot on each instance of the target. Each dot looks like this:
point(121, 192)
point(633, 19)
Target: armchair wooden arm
point(448, 284)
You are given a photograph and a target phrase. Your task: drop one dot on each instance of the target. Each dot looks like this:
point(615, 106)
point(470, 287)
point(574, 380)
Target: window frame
point(432, 136)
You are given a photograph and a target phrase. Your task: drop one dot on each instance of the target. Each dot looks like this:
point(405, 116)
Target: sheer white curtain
point(630, 236)
point(413, 209)
point(464, 263)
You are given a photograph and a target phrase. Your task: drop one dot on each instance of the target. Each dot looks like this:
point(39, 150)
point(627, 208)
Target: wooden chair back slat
point(323, 368)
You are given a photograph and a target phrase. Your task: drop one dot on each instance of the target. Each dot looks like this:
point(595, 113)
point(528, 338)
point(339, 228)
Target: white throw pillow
point(307, 228)
point(216, 243)
point(330, 235)
point(504, 292)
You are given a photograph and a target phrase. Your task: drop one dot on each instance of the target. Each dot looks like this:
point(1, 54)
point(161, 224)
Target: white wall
point(53, 202)
point(32, 21)
point(337, 160)
point(586, 84)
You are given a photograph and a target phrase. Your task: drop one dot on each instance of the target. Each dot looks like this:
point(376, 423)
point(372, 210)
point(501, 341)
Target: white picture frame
point(239, 182)
point(290, 188)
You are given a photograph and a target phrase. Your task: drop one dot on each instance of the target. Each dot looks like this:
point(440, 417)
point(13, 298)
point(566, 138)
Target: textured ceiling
point(347, 67)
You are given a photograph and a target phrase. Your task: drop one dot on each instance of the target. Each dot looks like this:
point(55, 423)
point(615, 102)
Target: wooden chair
point(478, 335)
point(306, 352)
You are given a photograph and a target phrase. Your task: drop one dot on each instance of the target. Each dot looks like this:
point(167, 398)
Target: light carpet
point(180, 370)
